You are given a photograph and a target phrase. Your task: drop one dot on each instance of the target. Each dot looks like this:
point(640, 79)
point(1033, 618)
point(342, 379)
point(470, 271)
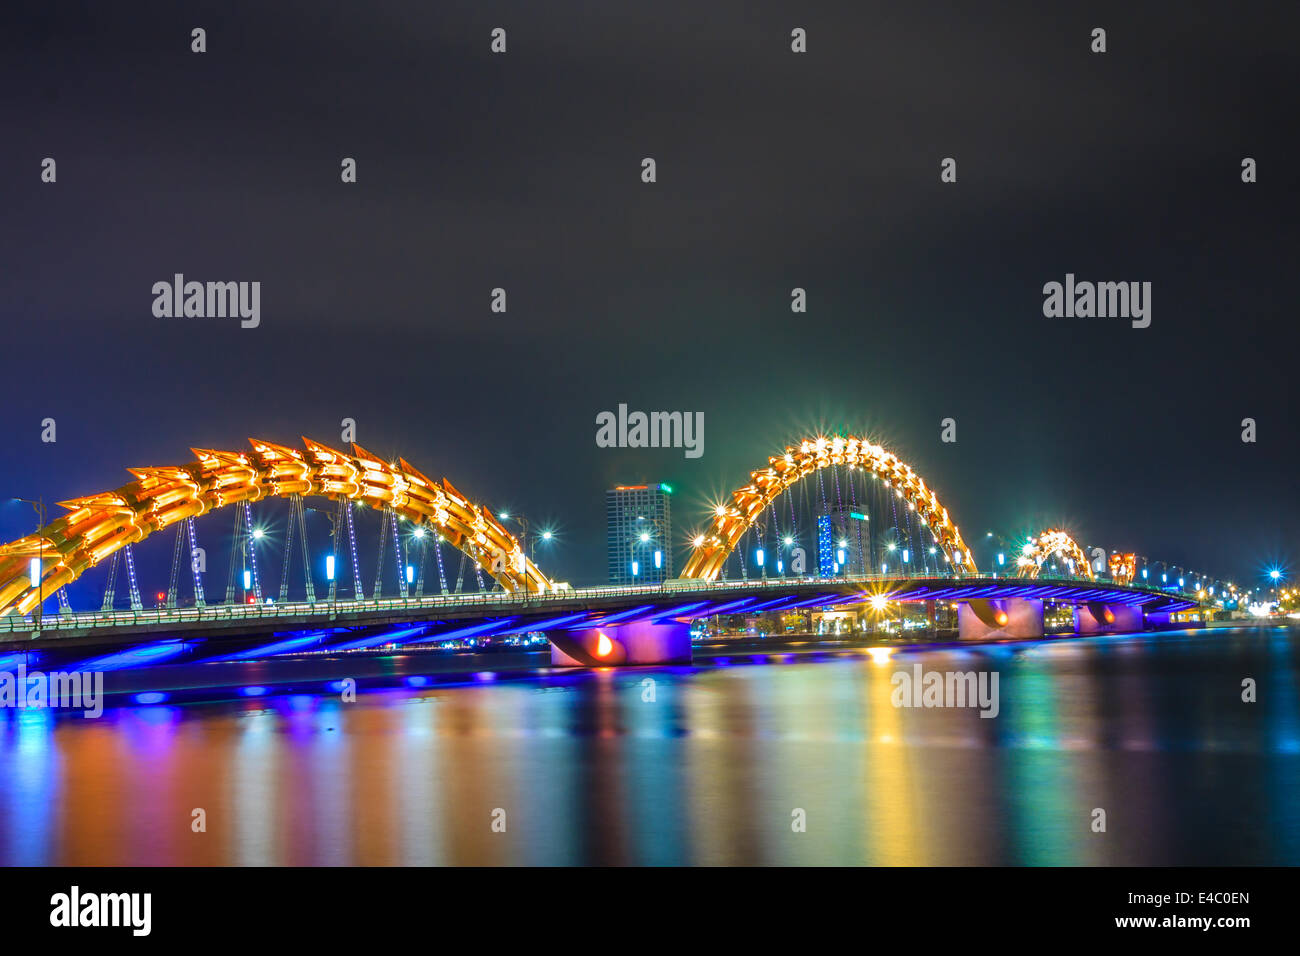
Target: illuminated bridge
point(750, 557)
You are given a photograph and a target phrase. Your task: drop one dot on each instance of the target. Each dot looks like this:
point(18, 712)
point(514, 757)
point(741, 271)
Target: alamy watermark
point(209, 300)
point(1102, 300)
point(133, 911)
point(918, 688)
point(82, 690)
point(652, 430)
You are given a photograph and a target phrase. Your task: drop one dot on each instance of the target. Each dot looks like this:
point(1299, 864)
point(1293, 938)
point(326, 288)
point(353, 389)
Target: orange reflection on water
point(704, 765)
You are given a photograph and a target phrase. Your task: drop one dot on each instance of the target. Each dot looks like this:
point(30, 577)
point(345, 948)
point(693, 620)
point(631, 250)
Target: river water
point(791, 757)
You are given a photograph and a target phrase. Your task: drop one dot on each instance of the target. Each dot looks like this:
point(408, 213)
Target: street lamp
point(528, 545)
point(522, 521)
point(38, 563)
point(647, 539)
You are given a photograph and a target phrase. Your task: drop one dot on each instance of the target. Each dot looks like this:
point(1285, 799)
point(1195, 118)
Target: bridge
point(931, 564)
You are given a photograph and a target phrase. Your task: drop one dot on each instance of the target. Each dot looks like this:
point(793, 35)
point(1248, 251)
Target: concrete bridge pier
point(641, 643)
point(992, 618)
point(1098, 618)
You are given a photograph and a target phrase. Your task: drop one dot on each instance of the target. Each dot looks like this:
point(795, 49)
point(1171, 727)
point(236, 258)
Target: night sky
point(775, 170)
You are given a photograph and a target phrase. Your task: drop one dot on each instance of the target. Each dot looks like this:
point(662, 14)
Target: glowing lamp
point(604, 646)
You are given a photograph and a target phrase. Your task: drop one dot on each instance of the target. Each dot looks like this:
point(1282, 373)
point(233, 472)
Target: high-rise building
point(639, 534)
point(843, 537)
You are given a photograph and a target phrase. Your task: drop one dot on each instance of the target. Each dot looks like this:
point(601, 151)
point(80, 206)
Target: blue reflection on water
point(696, 764)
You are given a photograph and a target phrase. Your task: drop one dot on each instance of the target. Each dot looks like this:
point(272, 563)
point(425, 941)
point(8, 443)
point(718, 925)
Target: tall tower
point(639, 534)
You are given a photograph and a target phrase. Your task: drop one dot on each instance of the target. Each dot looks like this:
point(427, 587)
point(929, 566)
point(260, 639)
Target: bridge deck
point(344, 625)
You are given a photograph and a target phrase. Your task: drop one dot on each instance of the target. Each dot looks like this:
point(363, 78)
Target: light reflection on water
point(1150, 728)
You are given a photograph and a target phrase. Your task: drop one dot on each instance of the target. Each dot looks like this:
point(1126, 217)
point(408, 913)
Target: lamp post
point(39, 566)
point(654, 538)
point(523, 523)
point(760, 552)
point(331, 559)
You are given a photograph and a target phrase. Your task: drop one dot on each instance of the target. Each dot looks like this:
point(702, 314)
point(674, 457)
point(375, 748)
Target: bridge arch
point(730, 522)
point(1050, 542)
point(98, 525)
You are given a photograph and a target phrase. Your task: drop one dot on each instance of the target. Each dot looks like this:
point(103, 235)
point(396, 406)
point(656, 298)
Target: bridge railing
point(327, 611)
